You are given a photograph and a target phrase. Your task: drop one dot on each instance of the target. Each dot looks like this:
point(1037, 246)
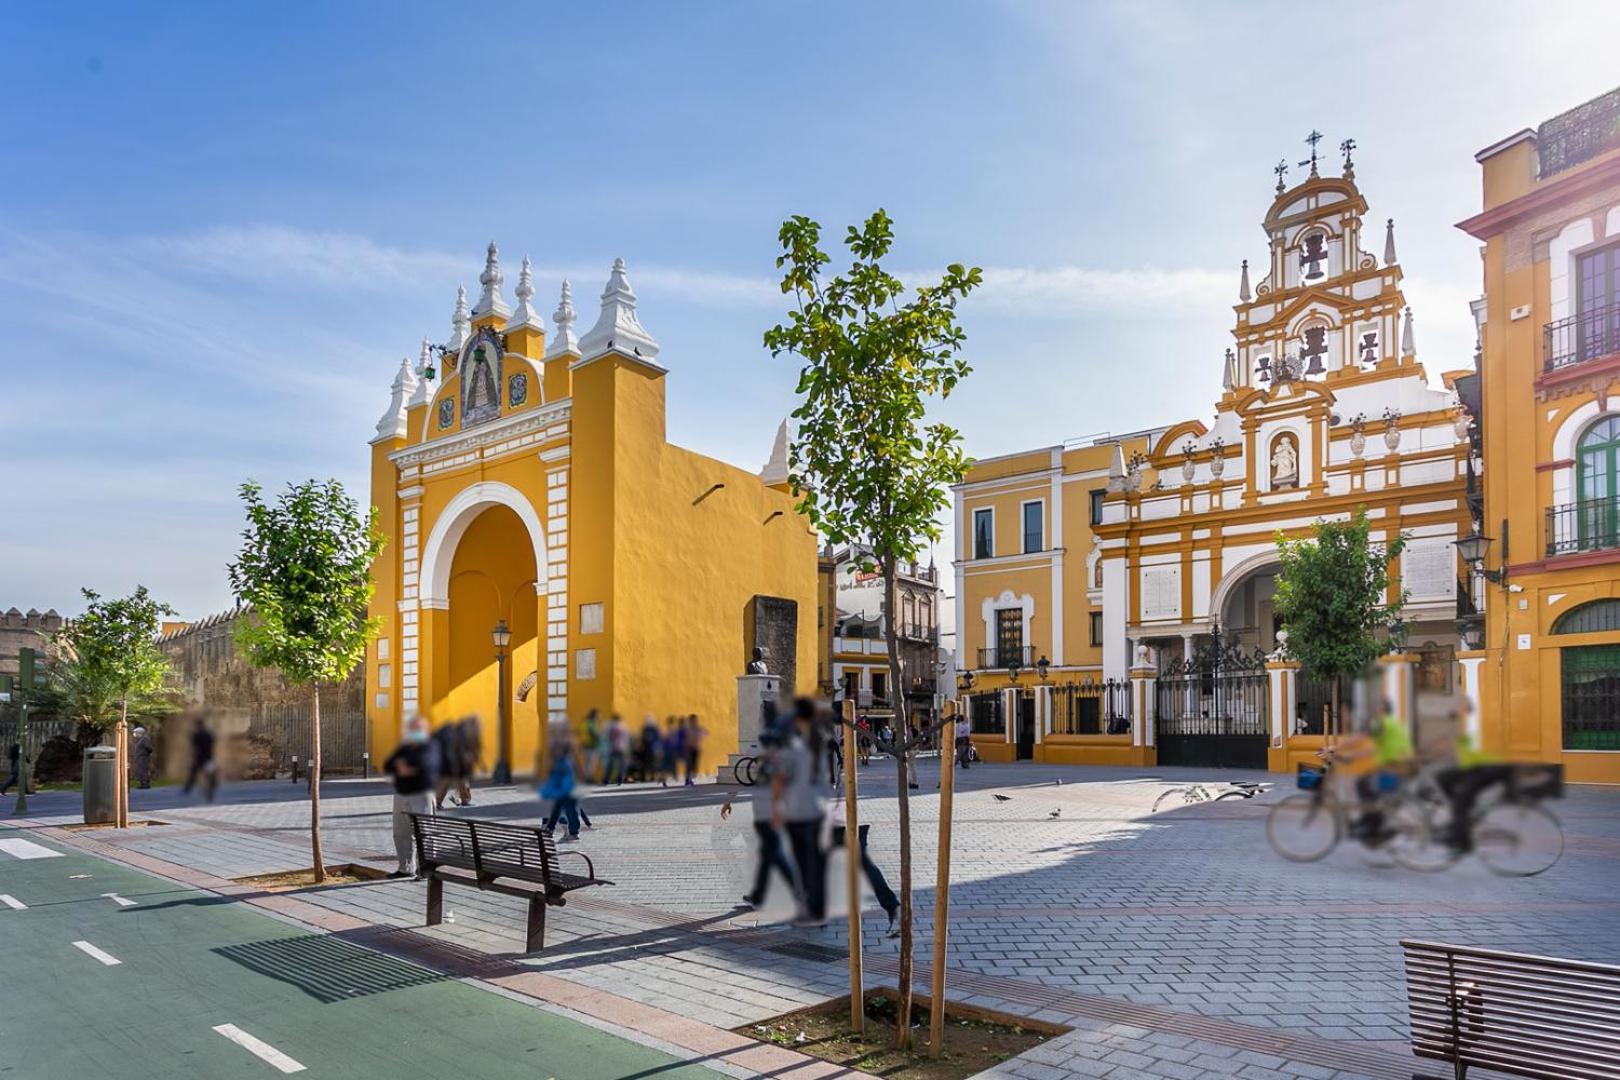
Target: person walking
point(13, 760)
point(887, 900)
point(203, 765)
point(414, 768)
point(797, 806)
point(591, 749)
point(560, 784)
point(692, 748)
point(449, 743)
point(618, 747)
point(140, 752)
point(964, 741)
point(647, 749)
point(766, 832)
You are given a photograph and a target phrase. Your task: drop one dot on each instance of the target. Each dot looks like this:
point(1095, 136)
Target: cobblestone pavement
point(1169, 941)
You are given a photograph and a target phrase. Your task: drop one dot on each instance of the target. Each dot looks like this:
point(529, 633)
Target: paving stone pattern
point(1185, 910)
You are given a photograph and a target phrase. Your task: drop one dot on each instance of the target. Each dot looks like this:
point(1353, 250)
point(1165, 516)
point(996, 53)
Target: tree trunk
point(315, 790)
point(902, 742)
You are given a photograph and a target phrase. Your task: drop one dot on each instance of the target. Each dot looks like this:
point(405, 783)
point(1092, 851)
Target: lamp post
point(1042, 666)
point(1474, 547)
point(502, 636)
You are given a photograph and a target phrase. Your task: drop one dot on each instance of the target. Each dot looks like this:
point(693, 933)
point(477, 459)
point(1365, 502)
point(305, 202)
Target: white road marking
point(259, 1048)
point(27, 849)
point(90, 950)
point(12, 902)
point(119, 900)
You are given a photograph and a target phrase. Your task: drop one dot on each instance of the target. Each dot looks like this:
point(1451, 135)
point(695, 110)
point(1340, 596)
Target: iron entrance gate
point(1213, 709)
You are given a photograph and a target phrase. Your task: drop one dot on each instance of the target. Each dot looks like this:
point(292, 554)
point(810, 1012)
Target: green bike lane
point(190, 962)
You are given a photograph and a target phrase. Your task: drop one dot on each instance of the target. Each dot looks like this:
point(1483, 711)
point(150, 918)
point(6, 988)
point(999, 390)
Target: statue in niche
point(1284, 463)
point(481, 390)
point(756, 666)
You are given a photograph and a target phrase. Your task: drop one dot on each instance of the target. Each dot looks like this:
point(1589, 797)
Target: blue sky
point(223, 225)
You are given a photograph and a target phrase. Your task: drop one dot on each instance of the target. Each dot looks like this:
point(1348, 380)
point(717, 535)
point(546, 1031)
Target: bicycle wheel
point(744, 770)
point(1165, 795)
point(1518, 839)
point(1304, 828)
point(1417, 844)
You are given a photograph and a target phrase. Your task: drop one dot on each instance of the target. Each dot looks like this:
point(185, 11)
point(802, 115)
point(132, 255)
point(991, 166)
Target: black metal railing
point(1579, 135)
point(986, 713)
point(1588, 525)
point(1091, 708)
point(919, 631)
point(1023, 657)
point(1586, 336)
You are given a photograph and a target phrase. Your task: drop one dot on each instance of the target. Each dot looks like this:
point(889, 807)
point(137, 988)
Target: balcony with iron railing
point(919, 631)
point(1590, 335)
point(1579, 527)
point(991, 659)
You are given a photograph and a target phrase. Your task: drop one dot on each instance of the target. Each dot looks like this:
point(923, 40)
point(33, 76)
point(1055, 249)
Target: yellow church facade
point(524, 483)
point(1141, 630)
point(1547, 664)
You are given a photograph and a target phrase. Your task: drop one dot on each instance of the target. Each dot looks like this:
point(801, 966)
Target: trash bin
point(100, 785)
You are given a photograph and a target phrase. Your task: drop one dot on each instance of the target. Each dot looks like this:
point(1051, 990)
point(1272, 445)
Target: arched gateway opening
point(479, 569)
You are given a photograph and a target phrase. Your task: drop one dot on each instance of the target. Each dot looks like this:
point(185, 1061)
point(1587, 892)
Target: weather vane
point(1313, 138)
point(1281, 170)
point(1346, 148)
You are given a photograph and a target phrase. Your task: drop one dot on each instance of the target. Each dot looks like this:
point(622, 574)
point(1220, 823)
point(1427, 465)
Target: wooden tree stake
point(852, 874)
point(942, 884)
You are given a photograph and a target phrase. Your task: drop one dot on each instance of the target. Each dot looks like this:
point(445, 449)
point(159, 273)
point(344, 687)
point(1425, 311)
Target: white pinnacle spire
point(490, 301)
point(525, 315)
point(776, 469)
point(1389, 242)
point(426, 383)
point(1116, 469)
point(1229, 375)
point(564, 342)
point(459, 322)
point(1243, 284)
point(1408, 342)
point(618, 329)
point(392, 423)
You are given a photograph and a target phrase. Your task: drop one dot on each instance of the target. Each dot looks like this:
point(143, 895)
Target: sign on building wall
point(1429, 569)
point(1161, 592)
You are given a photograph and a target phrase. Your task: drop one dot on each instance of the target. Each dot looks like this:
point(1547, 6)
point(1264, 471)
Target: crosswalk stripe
point(27, 849)
point(90, 950)
point(12, 902)
point(119, 900)
point(259, 1048)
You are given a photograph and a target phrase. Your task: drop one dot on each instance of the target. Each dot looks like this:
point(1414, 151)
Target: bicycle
point(1306, 826)
point(747, 771)
point(1198, 793)
point(1513, 835)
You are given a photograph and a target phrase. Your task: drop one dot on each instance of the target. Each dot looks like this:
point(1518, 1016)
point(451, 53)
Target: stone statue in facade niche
point(1284, 465)
point(756, 666)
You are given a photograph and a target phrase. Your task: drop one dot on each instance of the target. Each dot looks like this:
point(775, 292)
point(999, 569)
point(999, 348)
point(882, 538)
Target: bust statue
point(1284, 465)
point(756, 666)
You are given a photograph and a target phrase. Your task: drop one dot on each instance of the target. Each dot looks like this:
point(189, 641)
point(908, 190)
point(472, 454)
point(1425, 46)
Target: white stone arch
point(440, 550)
point(1234, 578)
point(1565, 441)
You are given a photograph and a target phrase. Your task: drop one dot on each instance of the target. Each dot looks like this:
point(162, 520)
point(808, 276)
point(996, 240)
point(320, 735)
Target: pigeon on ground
point(1054, 813)
point(1001, 798)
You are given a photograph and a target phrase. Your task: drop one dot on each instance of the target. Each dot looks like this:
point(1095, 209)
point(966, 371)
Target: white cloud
point(1069, 291)
point(280, 253)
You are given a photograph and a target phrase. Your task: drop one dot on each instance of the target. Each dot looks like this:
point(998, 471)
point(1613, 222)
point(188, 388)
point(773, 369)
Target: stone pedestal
point(754, 692)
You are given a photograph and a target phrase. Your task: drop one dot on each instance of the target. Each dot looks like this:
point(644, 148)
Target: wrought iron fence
point(1588, 525)
point(987, 713)
point(286, 728)
point(1578, 135)
point(1213, 708)
point(1581, 337)
point(1023, 656)
point(1089, 707)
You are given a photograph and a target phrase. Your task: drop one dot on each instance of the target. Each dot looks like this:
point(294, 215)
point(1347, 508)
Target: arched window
point(1596, 617)
point(1597, 471)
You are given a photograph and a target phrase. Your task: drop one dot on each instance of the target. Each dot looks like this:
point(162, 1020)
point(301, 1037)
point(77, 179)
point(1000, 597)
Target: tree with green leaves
point(305, 573)
point(1333, 599)
point(865, 463)
point(107, 659)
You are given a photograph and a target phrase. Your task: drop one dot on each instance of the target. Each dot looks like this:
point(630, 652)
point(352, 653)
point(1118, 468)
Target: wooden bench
point(497, 856)
point(1513, 1013)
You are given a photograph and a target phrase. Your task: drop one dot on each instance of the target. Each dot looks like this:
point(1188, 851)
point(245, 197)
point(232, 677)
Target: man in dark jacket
point(141, 750)
point(414, 767)
point(13, 756)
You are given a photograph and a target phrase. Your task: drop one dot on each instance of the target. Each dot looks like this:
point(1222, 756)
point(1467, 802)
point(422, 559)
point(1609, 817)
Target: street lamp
point(1475, 546)
point(1471, 628)
point(1041, 667)
point(502, 636)
point(964, 681)
point(1012, 672)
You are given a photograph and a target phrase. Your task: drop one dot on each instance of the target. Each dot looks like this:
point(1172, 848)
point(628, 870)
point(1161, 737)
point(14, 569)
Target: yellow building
point(527, 483)
point(1548, 674)
point(1160, 589)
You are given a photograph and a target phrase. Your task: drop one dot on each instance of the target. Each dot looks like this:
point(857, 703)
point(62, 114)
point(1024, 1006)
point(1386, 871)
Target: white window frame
point(973, 537)
point(1023, 526)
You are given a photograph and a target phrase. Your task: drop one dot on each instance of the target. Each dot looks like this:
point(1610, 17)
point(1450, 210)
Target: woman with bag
point(560, 785)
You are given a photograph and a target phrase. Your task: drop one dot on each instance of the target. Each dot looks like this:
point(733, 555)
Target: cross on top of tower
point(1281, 169)
point(1346, 148)
point(1313, 138)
